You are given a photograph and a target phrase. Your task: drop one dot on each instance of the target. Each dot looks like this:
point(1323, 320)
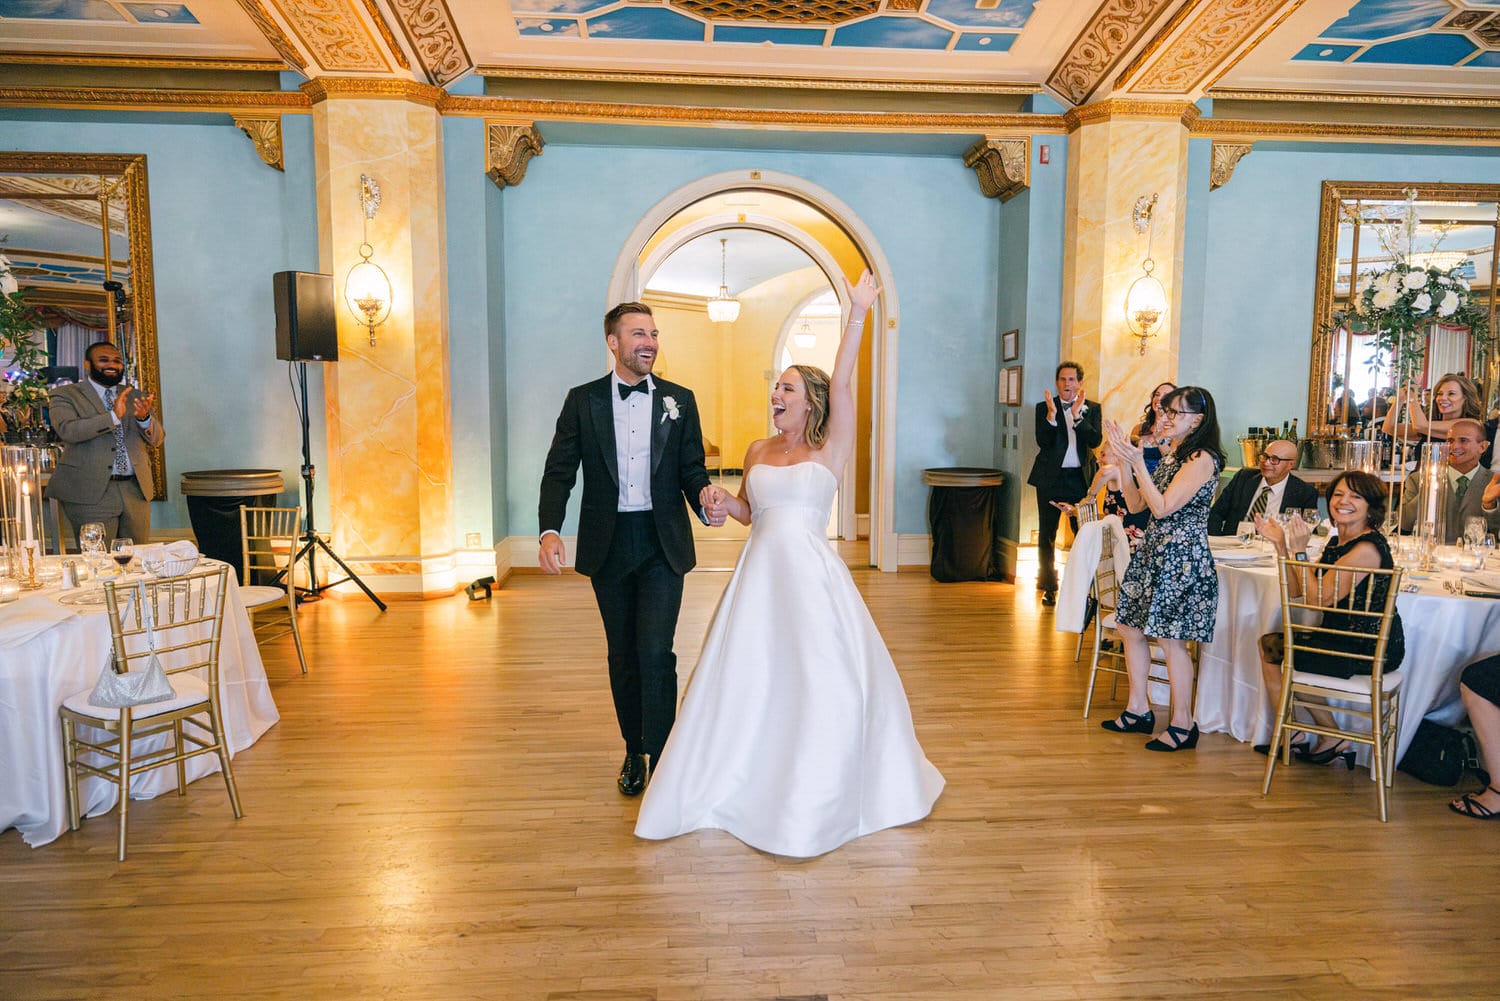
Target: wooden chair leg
point(291, 611)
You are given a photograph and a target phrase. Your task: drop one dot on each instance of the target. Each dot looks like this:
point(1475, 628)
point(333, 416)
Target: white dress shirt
point(1070, 457)
point(1273, 500)
point(633, 444)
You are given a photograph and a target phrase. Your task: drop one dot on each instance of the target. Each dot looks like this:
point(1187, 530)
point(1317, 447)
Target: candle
point(10, 590)
point(26, 512)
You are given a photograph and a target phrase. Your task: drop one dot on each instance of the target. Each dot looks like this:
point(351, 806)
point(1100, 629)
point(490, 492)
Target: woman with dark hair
point(1356, 506)
point(1455, 396)
point(1142, 433)
point(1170, 591)
point(795, 735)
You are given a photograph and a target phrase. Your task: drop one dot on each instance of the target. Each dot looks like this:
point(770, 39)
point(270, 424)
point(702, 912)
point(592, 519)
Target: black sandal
point(1130, 722)
point(1467, 806)
point(1182, 740)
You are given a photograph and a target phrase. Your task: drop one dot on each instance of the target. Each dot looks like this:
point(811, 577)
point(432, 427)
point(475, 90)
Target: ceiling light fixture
point(723, 308)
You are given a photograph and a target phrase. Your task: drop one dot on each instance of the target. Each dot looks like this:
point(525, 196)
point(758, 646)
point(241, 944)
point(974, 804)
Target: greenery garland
point(24, 395)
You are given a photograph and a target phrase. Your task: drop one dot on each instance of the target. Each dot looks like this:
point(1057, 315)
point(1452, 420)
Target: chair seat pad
point(1108, 621)
point(256, 595)
point(190, 689)
point(1355, 686)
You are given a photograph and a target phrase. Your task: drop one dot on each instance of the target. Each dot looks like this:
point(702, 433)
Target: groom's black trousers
point(639, 596)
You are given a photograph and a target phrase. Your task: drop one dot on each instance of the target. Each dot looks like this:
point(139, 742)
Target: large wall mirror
point(1362, 231)
point(77, 231)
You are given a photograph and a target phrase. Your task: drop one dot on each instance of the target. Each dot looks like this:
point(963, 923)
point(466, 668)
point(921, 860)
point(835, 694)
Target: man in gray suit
point(104, 473)
point(1473, 491)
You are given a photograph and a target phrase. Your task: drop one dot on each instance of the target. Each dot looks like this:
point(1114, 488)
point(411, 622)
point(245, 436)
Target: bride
point(794, 734)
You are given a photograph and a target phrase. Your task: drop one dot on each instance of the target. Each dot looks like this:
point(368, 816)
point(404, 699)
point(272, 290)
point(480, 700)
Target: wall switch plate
point(471, 540)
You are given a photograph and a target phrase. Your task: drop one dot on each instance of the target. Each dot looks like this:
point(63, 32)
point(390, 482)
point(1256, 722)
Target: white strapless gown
point(794, 733)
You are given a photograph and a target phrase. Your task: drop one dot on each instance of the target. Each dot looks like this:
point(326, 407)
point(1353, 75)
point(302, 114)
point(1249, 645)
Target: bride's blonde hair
point(816, 381)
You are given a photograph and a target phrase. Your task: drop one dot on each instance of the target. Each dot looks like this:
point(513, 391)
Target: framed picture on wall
point(1010, 345)
point(1013, 386)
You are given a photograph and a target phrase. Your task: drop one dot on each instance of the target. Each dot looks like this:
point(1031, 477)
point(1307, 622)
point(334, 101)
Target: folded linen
point(182, 549)
point(28, 617)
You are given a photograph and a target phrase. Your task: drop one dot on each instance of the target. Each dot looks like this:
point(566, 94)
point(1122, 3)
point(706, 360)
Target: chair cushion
point(1355, 686)
point(1108, 620)
point(190, 688)
point(256, 595)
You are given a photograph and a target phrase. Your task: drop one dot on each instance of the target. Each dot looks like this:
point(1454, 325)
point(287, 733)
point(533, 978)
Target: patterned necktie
point(1258, 506)
point(1461, 486)
point(121, 466)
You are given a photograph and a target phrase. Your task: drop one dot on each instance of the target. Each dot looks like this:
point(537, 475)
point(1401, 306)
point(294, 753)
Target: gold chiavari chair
point(269, 539)
point(1373, 699)
point(1087, 511)
point(185, 618)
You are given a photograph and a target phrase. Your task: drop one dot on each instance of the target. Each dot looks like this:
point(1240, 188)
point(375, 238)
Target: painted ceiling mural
point(1412, 33)
point(109, 11)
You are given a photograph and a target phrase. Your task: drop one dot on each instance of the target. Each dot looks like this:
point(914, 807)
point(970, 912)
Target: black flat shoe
point(1130, 722)
point(1178, 740)
point(1346, 754)
point(632, 775)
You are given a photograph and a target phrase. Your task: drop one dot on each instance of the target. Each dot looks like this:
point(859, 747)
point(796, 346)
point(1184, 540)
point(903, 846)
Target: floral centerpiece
point(24, 391)
point(1399, 306)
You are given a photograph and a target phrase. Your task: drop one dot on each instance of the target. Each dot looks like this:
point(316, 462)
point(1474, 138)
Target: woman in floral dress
point(1169, 592)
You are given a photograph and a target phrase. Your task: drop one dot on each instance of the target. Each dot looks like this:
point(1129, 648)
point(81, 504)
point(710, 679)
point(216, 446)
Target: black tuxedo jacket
point(1234, 501)
point(1052, 443)
point(586, 436)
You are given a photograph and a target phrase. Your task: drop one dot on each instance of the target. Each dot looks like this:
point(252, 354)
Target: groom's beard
point(635, 363)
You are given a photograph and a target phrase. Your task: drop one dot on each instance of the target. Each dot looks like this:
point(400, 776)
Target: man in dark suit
point(1067, 432)
point(640, 442)
point(108, 430)
point(1268, 490)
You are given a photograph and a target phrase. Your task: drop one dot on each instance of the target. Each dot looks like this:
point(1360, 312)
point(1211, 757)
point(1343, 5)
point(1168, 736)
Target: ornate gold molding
point(1212, 36)
point(125, 99)
point(265, 133)
point(333, 35)
point(389, 36)
point(1002, 164)
point(74, 197)
point(1252, 130)
point(434, 37)
point(1225, 157)
point(783, 82)
point(272, 33)
point(1103, 111)
point(141, 62)
point(508, 147)
point(1113, 30)
point(324, 87)
point(1332, 97)
point(808, 12)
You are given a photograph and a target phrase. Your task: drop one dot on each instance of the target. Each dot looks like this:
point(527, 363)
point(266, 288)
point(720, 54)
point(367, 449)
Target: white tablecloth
point(37, 675)
point(1443, 633)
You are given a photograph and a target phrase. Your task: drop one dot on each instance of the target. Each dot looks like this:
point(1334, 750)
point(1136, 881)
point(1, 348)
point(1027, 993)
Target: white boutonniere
point(669, 406)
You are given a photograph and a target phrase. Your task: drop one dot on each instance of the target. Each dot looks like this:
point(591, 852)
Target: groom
point(640, 443)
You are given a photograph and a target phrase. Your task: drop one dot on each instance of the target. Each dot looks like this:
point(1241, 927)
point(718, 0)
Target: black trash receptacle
point(214, 498)
point(963, 515)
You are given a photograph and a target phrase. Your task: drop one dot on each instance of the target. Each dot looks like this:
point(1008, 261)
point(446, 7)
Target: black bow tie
point(639, 387)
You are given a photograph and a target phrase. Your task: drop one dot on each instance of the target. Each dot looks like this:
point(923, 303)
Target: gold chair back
point(269, 537)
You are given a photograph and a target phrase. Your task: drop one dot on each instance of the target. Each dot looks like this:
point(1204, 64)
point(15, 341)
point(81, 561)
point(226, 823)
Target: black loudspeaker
point(305, 325)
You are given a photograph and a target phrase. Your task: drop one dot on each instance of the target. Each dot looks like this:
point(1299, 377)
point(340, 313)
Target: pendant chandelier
point(723, 308)
point(804, 338)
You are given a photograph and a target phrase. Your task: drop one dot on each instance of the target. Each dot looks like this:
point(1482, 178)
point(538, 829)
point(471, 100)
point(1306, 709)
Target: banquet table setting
point(54, 641)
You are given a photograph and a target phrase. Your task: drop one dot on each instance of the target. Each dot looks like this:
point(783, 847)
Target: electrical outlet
point(471, 540)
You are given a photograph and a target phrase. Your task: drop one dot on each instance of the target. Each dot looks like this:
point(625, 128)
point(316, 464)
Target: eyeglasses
point(1174, 414)
point(1278, 460)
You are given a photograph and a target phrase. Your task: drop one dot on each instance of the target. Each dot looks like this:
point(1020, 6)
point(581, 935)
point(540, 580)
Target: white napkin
point(29, 616)
point(182, 549)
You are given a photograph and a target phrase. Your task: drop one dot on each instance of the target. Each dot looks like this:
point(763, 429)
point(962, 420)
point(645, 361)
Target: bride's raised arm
point(841, 415)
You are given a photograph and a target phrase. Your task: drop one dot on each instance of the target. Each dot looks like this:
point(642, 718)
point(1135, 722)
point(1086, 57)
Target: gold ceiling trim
point(1125, 107)
point(265, 133)
point(74, 197)
point(651, 114)
point(142, 62)
point(434, 37)
point(378, 19)
point(1002, 164)
point(333, 34)
point(130, 99)
point(1225, 157)
point(272, 33)
point(508, 148)
point(789, 83)
point(1213, 35)
point(1265, 33)
point(1113, 30)
point(807, 12)
point(324, 87)
point(1151, 48)
point(1252, 131)
point(1335, 97)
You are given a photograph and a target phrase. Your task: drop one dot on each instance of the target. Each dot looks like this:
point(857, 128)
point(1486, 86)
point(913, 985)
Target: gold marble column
point(1119, 151)
point(390, 468)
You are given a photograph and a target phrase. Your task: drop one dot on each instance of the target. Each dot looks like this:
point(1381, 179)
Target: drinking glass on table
point(91, 538)
point(1474, 530)
point(122, 551)
point(1246, 532)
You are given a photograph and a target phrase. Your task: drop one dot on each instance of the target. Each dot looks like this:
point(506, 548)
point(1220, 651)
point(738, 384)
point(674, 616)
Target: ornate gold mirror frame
point(107, 180)
point(1346, 257)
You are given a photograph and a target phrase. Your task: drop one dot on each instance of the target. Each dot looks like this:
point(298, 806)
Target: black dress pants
point(639, 596)
point(1067, 487)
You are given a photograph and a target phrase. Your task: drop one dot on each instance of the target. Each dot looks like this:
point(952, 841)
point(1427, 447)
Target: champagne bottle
point(1285, 431)
point(1292, 436)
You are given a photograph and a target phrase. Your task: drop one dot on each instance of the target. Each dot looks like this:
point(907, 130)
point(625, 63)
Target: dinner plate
point(1229, 542)
point(83, 596)
point(1243, 556)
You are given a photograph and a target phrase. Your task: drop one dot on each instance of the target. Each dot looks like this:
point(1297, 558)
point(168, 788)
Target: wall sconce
point(723, 308)
point(1146, 299)
point(367, 289)
point(804, 338)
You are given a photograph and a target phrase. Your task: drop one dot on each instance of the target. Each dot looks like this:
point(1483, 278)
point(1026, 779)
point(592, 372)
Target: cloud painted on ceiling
point(1462, 33)
point(96, 10)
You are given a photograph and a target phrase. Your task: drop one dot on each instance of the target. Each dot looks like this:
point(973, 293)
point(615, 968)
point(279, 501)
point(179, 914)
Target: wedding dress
point(794, 733)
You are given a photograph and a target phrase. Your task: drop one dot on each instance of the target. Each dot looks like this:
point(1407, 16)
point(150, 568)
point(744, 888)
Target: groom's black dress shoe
point(633, 775)
point(1049, 598)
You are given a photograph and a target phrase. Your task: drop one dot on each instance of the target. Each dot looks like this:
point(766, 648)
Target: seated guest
point(1481, 692)
point(1268, 490)
point(1473, 491)
point(1356, 506)
point(1455, 397)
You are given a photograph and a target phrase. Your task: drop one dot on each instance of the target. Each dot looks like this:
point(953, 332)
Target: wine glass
point(1474, 530)
point(122, 551)
point(91, 538)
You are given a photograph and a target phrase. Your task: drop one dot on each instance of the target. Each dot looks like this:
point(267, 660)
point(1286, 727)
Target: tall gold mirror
point(77, 231)
point(1362, 231)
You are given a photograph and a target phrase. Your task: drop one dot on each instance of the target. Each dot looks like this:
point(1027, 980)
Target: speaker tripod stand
point(312, 542)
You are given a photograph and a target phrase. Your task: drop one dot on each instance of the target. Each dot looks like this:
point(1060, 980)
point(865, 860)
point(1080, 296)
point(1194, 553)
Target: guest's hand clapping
point(1288, 537)
point(1119, 447)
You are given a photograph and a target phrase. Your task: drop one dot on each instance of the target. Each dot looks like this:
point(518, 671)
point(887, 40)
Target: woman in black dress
point(1481, 692)
point(1356, 506)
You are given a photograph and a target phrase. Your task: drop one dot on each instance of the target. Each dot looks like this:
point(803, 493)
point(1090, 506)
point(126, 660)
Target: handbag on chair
point(117, 688)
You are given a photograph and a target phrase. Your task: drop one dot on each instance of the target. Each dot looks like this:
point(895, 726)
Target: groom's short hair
point(612, 318)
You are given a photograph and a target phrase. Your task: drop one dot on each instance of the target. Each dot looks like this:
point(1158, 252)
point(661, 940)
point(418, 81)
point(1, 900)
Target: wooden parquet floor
point(435, 817)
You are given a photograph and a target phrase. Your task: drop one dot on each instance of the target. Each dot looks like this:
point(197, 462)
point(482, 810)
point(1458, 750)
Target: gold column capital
point(265, 133)
point(1226, 156)
point(1002, 164)
point(508, 146)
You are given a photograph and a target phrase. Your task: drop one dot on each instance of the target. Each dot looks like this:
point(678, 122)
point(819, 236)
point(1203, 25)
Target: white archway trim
point(624, 285)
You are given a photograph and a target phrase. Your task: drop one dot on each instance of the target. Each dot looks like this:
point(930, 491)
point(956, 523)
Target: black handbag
point(1438, 755)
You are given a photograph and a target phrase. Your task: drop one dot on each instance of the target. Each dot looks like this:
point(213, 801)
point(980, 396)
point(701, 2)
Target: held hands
point(714, 501)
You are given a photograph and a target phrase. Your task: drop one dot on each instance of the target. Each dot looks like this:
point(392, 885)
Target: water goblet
point(91, 537)
point(1474, 530)
point(1246, 532)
